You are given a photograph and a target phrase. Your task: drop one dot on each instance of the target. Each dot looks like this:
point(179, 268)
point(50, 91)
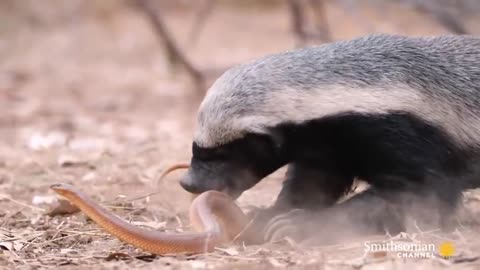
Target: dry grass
point(89, 101)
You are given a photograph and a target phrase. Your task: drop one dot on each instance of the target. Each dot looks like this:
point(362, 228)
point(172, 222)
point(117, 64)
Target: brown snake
point(214, 215)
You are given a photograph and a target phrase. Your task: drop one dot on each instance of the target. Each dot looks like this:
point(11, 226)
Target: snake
point(214, 216)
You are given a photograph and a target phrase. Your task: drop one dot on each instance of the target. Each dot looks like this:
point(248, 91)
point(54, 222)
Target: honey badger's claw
point(286, 225)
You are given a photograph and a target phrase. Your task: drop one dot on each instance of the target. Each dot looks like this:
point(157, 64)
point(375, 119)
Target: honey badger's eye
point(220, 152)
point(214, 153)
point(200, 152)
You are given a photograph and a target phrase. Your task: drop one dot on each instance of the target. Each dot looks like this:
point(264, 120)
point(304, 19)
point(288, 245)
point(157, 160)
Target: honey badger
point(401, 113)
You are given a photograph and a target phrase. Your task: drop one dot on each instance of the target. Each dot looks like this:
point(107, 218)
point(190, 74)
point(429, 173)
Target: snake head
point(62, 189)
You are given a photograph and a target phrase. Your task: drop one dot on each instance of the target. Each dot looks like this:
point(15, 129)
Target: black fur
point(396, 153)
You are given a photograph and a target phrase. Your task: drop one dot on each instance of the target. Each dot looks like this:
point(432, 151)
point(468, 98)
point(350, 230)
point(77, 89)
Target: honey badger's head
point(233, 167)
point(233, 148)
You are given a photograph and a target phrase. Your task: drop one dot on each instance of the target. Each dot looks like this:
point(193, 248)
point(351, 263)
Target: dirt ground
point(87, 99)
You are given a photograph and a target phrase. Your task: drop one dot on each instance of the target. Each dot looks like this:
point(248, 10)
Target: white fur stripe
point(220, 122)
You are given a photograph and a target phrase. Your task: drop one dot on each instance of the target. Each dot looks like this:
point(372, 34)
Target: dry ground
point(87, 99)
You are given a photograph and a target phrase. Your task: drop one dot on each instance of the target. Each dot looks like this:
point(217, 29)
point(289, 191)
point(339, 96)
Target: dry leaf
point(7, 246)
point(198, 264)
point(379, 254)
point(89, 177)
point(230, 251)
point(71, 160)
point(68, 250)
point(13, 245)
point(62, 207)
point(87, 144)
point(117, 256)
point(151, 224)
point(39, 141)
point(275, 263)
point(49, 199)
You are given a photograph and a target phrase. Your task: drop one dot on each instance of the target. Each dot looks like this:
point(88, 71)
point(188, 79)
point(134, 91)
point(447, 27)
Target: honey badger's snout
point(197, 181)
point(230, 181)
point(190, 185)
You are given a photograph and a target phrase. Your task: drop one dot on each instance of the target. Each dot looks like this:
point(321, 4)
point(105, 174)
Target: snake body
point(214, 215)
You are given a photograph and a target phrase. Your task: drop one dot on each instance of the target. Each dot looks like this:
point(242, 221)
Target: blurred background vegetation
point(181, 27)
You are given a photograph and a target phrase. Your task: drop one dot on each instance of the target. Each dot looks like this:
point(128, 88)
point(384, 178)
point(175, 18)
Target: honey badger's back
point(434, 78)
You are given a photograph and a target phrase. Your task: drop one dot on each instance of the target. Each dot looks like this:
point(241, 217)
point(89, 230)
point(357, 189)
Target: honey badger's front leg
point(306, 187)
point(311, 187)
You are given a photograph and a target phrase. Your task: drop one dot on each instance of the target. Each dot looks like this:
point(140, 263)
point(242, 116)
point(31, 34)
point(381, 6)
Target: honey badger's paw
point(329, 226)
point(253, 233)
point(293, 224)
point(310, 228)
